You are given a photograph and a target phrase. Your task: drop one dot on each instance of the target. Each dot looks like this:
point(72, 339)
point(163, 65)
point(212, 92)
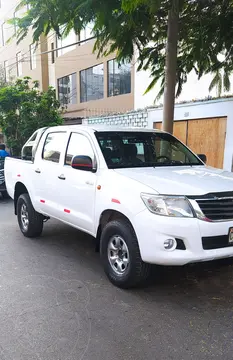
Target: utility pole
point(171, 66)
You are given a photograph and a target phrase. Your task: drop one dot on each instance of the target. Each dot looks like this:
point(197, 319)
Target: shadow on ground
point(202, 282)
point(205, 283)
point(181, 313)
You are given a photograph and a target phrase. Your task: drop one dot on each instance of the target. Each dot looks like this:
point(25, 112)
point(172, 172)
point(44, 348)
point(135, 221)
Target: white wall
point(52, 77)
point(193, 89)
point(201, 110)
point(142, 80)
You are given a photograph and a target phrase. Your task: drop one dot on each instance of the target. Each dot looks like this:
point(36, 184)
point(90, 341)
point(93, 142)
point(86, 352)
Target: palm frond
point(217, 79)
point(151, 85)
point(226, 81)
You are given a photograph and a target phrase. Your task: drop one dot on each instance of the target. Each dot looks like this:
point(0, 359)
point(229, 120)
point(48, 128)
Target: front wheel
point(30, 222)
point(121, 255)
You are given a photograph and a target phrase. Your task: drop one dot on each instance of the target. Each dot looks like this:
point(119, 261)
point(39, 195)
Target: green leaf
point(216, 82)
point(24, 109)
point(151, 86)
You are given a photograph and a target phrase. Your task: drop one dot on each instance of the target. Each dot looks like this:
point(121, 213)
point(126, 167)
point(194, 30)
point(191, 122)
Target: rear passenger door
point(47, 169)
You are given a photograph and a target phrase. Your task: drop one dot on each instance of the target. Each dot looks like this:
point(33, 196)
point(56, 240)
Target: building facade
point(18, 60)
point(89, 87)
point(86, 85)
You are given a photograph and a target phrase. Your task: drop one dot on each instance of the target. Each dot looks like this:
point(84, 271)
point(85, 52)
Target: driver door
point(78, 187)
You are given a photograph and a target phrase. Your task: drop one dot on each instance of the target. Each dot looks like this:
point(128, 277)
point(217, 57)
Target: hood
point(180, 180)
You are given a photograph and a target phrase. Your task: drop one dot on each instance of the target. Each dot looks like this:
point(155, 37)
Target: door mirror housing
point(203, 157)
point(81, 162)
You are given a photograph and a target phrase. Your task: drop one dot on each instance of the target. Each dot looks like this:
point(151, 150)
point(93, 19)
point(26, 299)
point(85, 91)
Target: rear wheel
point(121, 255)
point(30, 222)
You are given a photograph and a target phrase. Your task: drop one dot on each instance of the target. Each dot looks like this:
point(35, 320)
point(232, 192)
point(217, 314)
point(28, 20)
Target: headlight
point(176, 206)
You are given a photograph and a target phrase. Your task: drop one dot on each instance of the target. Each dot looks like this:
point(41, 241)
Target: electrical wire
point(27, 52)
point(49, 51)
point(11, 66)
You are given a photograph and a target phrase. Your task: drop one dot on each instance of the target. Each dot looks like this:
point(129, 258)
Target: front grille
point(217, 209)
point(215, 242)
point(216, 206)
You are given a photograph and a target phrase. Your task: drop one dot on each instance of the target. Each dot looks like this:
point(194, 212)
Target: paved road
point(56, 304)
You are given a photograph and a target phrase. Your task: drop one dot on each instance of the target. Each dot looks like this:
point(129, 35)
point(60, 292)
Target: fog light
point(170, 244)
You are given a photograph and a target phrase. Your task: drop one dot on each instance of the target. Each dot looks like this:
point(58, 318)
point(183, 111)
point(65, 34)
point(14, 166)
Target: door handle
point(89, 182)
point(38, 171)
point(61, 177)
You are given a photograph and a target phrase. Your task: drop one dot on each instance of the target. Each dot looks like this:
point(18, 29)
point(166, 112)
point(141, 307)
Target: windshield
point(143, 149)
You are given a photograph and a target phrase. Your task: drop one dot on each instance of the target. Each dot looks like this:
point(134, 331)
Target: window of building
point(33, 56)
point(6, 69)
point(67, 89)
point(53, 146)
point(19, 63)
point(119, 78)
point(92, 83)
point(64, 41)
point(78, 145)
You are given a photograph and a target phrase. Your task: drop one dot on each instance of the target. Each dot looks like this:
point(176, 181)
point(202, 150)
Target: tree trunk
point(171, 66)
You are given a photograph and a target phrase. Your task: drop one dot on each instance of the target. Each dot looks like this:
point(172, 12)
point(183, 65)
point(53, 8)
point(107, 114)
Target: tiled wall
point(133, 119)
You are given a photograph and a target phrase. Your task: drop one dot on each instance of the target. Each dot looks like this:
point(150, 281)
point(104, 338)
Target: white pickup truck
point(142, 194)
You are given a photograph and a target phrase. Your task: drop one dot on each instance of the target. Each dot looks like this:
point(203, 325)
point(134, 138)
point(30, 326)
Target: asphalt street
point(56, 303)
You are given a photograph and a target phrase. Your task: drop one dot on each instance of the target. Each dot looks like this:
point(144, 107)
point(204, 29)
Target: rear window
point(53, 146)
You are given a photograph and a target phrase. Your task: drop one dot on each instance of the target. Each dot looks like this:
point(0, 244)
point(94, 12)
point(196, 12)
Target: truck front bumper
point(199, 238)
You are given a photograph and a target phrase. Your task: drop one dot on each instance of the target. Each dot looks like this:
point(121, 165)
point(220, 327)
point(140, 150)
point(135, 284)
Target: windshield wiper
point(174, 163)
point(150, 164)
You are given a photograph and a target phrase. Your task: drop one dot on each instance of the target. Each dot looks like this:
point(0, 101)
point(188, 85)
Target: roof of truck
point(104, 128)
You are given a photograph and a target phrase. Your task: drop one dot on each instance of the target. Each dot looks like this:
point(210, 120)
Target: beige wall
point(81, 58)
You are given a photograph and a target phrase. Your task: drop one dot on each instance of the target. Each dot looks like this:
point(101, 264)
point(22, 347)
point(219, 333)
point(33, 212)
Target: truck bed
point(15, 171)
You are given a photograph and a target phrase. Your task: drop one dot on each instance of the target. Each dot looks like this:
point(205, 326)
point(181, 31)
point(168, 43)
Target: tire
point(123, 274)
point(5, 194)
point(33, 227)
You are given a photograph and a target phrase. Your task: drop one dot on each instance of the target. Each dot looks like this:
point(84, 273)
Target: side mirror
point(81, 162)
point(202, 157)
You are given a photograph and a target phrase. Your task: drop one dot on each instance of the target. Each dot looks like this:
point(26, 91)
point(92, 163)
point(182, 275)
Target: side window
point(53, 146)
point(78, 145)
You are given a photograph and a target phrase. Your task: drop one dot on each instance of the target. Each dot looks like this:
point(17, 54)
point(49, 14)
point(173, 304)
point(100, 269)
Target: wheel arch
point(20, 189)
point(105, 217)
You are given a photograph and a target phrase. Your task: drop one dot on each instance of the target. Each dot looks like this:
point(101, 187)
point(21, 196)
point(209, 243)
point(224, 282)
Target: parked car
point(144, 196)
point(3, 190)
